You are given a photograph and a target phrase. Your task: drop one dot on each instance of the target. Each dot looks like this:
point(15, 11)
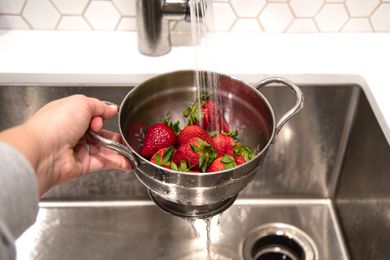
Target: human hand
point(53, 140)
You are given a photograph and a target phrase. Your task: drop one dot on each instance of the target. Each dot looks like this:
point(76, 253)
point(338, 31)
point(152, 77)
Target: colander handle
point(120, 148)
point(298, 93)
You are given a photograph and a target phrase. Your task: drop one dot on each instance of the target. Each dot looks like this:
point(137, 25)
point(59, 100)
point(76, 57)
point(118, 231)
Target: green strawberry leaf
point(168, 153)
point(233, 134)
point(174, 166)
point(175, 126)
point(158, 159)
point(183, 166)
point(226, 159)
point(242, 149)
point(229, 166)
point(194, 148)
point(201, 160)
point(193, 114)
point(237, 151)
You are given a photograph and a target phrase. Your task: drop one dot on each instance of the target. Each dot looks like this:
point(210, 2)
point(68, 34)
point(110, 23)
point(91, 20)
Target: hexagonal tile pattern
point(248, 8)
point(361, 7)
point(276, 17)
point(127, 24)
point(102, 15)
point(74, 23)
point(380, 18)
point(70, 7)
point(246, 25)
point(11, 6)
point(357, 25)
point(305, 8)
point(331, 18)
point(41, 14)
point(126, 7)
point(224, 16)
point(12, 22)
point(303, 25)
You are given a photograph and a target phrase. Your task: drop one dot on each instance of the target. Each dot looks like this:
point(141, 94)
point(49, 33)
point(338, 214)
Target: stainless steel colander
point(243, 106)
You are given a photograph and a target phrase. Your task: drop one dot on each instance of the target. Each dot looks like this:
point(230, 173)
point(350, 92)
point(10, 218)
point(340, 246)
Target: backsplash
point(290, 16)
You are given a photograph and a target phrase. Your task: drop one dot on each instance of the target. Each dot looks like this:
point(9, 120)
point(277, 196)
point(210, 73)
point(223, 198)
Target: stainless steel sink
point(327, 175)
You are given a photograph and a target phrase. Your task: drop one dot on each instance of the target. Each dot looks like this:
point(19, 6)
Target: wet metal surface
point(140, 230)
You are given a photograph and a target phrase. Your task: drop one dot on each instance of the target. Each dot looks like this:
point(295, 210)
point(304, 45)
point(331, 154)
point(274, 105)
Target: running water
point(203, 233)
point(206, 83)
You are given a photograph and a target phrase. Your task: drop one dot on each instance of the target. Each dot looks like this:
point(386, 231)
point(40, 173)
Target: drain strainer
point(279, 241)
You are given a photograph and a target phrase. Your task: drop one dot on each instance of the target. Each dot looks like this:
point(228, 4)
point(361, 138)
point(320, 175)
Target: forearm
point(28, 141)
point(21, 138)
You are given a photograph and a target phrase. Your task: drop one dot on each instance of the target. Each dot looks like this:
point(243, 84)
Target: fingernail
point(110, 104)
point(114, 106)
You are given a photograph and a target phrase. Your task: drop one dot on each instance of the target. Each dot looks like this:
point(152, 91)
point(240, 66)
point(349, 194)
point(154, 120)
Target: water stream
point(206, 83)
point(205, 231)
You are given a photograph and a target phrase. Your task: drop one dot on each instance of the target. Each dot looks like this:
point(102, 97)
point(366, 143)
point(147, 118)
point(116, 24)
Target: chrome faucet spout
point(153, 18)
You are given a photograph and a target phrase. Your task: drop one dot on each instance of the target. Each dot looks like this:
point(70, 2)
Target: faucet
point(153, 17)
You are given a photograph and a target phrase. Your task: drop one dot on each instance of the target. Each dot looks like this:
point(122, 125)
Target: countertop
point(68, 57)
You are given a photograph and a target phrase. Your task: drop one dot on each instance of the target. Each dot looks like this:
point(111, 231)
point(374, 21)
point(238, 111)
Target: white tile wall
point(276, 17)
point(332, 18)
point(289, 16)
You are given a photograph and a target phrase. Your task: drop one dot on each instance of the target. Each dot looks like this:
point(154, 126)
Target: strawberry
point(163, 157)
point(242, 153)
point(223, 143)
point(157, 136)
point(213, 119)
point(193, 131)
point(222, 163)
point(198, 153)
point(210, 116)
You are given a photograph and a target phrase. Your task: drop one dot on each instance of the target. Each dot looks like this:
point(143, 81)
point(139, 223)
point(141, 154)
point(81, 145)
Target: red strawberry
point(213, 119)
point(163, 157)
point(222, 163)
point(242, 153)
point(239, 159)
point(193, 131)
point(210, 116)
point(198, 153)
point(156, 137)
point(223, 143)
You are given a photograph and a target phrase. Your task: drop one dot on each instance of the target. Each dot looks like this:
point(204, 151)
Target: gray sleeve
point(18, 198)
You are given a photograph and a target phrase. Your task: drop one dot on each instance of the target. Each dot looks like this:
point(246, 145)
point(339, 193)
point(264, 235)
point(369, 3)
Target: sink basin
point(326, 175)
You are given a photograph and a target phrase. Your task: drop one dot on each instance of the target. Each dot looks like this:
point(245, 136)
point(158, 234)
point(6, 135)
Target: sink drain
point(278, 241)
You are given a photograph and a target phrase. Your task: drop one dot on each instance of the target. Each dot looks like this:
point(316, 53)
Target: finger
point(96, 123)
point(100, 108)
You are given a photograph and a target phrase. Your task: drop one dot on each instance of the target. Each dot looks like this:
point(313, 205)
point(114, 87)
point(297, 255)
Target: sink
point(326, 175)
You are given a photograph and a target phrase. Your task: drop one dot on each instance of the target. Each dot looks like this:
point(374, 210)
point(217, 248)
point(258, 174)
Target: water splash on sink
point(207, 231)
